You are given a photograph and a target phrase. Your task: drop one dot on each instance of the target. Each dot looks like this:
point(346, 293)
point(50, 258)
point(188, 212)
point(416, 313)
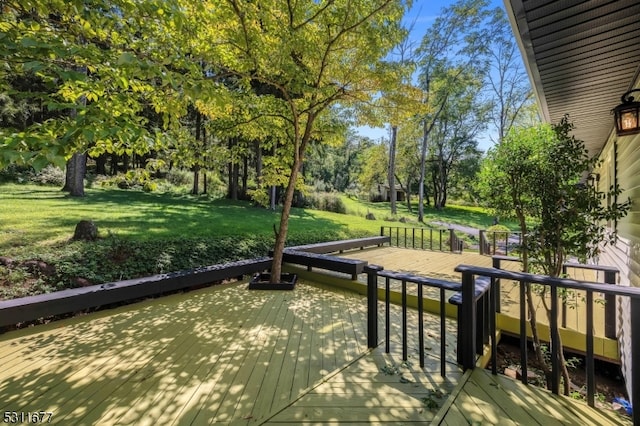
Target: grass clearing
point(36, 216)
point(147, 233)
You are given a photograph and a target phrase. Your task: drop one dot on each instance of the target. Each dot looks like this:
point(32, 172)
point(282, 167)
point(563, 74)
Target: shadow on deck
point(228, 355)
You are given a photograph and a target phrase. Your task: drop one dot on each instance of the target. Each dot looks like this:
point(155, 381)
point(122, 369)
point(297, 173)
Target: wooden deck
point(218, 355)
point(228, 355)
point(482, 398)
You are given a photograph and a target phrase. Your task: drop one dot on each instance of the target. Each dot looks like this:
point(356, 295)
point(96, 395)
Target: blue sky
point(423, 13)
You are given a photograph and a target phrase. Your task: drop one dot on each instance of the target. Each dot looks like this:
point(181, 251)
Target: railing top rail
point(418, 279)
point(416, 228)
point(632, 292)
point(506, 258)
point(603, 268)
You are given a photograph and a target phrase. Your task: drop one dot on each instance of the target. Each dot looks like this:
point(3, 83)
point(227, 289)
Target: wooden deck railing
point(499, 242)
point(423, 238)
point(33, 308)
point(468, 318)
point(609, 273)
point(375, 272)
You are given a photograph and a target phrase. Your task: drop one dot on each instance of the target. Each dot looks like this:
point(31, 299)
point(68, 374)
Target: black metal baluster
point(589, 364)
point(404, 320)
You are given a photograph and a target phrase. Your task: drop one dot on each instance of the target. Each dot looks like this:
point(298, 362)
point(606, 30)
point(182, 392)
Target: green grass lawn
point(476, 217)
point(37, 216)
point(147, 233)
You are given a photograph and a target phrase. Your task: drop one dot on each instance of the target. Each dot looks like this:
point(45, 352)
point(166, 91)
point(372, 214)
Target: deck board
point(489, 399)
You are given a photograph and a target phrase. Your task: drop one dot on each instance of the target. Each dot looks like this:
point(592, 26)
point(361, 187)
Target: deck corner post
point(495, 283)
point(467, 325)
point(452, 237)
point(610, 326)
point(372, 304)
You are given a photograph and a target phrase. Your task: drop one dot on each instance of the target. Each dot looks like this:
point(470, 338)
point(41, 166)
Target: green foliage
point(536, 173)
point(92, 77)
point(336, 168)
point(374, 168)
point(50, 175)
point(330, 202)
point(496, 231)
point(178, 177)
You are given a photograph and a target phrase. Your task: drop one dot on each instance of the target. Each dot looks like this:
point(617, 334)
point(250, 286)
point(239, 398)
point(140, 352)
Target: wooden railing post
point(467, 322)
point(481, 238)
point(610, 307)
point(452, 240)
point(372, 304)
point(495, 282)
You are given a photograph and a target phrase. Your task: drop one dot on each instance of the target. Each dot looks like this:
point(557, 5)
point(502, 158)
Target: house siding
point(621, 164)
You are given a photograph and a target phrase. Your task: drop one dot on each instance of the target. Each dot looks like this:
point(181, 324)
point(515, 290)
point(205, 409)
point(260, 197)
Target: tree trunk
point(281, 232)
point(533, 321)
point(101, 164)
point(196, 180)
point(407, 191)
point(125, 163)
point(392, 169)
point(234, 171)
point(423, 165)
point(74, 177)
point(235, 178)
point(196, 167)
point(113, 169)
point(245, 177)
point(258, 161)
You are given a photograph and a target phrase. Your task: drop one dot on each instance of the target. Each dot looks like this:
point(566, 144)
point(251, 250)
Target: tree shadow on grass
point(140, 215)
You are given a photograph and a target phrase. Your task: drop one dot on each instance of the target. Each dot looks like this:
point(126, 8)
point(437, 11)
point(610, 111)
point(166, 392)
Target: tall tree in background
point(407, 168)
point(507, 80)
point(454, 135)
point(306, 56)
point(95, 61)
point(400, 102)
point(457, 41)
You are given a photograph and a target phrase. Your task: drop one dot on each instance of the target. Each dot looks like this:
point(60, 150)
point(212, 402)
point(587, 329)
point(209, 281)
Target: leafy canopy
point(538, 173)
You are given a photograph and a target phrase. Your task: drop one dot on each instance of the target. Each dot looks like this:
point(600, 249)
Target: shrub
point(50, 175)
point(150, 186)
point(114, 258)
point(179, 177)
point(16, 173)
point(330, 202)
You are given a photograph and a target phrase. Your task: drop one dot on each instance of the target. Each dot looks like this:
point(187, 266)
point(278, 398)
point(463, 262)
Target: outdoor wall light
point(593, 179)
point(627, 115)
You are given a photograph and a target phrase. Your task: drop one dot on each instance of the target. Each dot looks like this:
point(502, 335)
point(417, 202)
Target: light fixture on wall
point(627, 115)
